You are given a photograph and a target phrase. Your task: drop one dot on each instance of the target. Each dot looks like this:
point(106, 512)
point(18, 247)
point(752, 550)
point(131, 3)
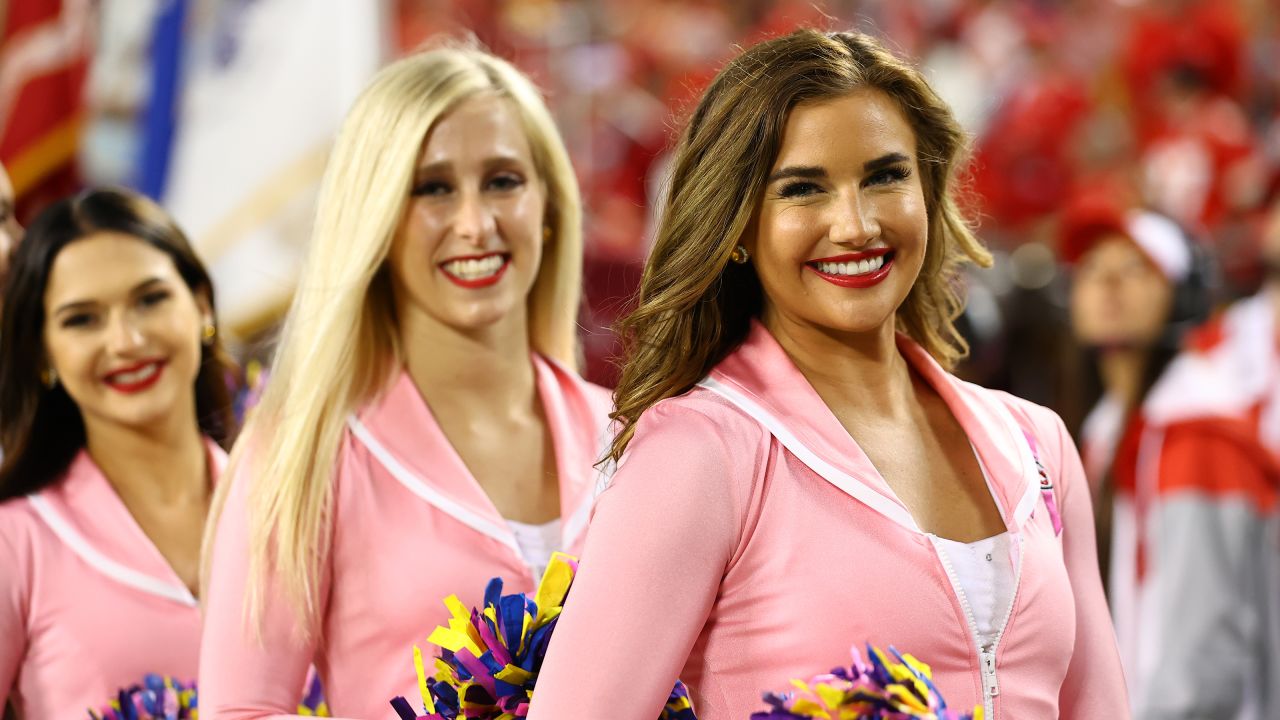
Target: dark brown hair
point(41, 429)
point(694, 306)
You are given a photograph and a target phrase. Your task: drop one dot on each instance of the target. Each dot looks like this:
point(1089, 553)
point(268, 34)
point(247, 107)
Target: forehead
point(1113, 250)
point(479, 128)
point(861, 125)
point(103, 266)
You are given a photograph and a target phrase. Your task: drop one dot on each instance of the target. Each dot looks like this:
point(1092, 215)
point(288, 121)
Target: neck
point(1122, 373)
point(167, 461)
point(864, 370)
point(473, 370)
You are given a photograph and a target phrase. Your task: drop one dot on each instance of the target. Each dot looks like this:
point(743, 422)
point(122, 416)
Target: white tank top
point(537, 542)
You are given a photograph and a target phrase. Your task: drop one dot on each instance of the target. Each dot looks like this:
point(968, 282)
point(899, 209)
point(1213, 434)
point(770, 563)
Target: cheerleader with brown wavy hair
point(800, 472)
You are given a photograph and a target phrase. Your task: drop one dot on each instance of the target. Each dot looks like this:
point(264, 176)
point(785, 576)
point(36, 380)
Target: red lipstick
point(481, 282)
point(864, 280)
point(115, 381)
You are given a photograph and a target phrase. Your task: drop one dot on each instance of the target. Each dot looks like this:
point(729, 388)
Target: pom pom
point(490, 658)
point(155, 698)
point(164, 698)
point(896, 687)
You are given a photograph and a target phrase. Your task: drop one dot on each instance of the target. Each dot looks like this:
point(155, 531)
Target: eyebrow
point(84, 304)
point(815, 172)
point(490, 164)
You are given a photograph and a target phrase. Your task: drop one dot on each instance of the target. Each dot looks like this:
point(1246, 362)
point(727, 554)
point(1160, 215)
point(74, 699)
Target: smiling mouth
point(855, 270)
point(135, 378)
point(476, 271)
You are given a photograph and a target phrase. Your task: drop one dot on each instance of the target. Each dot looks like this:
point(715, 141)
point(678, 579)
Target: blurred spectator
point(1186, 495)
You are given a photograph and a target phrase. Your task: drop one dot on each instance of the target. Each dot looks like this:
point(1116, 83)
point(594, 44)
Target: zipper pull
point(989, 683)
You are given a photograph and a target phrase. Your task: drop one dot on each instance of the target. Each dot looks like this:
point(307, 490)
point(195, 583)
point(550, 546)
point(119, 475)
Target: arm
point(248, 672)
point(660, 540)
point(1208, 545)
point(1094, 686)
point(13, 607)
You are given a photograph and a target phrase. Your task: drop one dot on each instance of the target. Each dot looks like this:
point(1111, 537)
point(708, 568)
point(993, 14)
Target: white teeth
point(137, 376)
point(474, 269)
point(852, 268)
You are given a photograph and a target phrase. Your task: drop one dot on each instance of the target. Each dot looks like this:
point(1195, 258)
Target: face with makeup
point(840, 233)
point(123, 331)
point(469, 245)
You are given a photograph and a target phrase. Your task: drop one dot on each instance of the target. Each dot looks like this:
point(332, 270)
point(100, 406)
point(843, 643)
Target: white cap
point(1162, 241)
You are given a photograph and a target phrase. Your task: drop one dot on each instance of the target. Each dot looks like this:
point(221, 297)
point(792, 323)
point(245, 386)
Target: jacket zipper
point(986, 653)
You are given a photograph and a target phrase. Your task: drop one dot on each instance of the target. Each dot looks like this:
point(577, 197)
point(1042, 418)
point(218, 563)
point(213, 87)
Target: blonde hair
point(694, 306)
point(340, 340)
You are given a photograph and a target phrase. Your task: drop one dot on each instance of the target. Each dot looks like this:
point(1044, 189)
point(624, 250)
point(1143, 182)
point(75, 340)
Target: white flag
point(268, 83)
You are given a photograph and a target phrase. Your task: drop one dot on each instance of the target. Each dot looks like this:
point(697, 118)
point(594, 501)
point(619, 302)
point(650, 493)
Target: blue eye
point(506, 181)
point(431, 188)
point(799, 189)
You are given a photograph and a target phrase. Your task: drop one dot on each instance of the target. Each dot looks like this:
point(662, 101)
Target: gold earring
point(740, 255)
point(209, 333)
point(546, 234)
point(49, 378)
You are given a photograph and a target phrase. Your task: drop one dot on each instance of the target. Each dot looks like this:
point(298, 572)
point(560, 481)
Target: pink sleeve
point(13, 605)
point(1094, 686)
point(661, 538)
point(246, 673)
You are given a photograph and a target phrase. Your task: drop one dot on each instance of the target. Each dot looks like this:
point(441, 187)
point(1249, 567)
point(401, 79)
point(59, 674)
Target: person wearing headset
point(1185, 493)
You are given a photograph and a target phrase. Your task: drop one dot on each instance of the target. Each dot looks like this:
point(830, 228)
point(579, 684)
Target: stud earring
point(208, 334)
point(49, 378)
point(546, 234)
point(740, 255)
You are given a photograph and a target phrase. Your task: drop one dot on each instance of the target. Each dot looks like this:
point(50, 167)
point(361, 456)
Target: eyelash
point(154, 298)
point(77, 320)
point(804, 188)
point(890, 175)
point(436, 188)
point(148, 300)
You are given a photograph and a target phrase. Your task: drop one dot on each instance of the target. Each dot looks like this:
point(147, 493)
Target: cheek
point(523, 219)
point(908, 216)
point(785, 239)
point(419, 233)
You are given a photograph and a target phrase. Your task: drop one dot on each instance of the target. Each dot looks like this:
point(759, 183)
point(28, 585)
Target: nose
point(855, 223)
point(474, 221)
point(124, 334)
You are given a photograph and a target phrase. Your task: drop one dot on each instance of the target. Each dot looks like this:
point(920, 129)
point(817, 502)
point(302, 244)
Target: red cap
point(1086, 221)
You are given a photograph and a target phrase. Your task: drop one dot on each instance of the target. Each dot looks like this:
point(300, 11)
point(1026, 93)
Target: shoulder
point(21, 534)
point(698, 417)
point(1043, 425)
point(594, 400)
point(699, 459)
point(698, 435)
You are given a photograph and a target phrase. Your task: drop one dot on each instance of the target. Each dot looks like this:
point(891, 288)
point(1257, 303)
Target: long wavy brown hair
point(694, 306)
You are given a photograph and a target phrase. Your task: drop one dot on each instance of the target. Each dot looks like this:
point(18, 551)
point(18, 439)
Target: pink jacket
point(88, 605)
point(746, 540)
point(411, 526)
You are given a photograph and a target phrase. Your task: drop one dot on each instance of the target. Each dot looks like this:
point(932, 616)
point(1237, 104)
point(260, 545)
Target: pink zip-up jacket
point(88, 604)
point(410, 526)
point(746, 540)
